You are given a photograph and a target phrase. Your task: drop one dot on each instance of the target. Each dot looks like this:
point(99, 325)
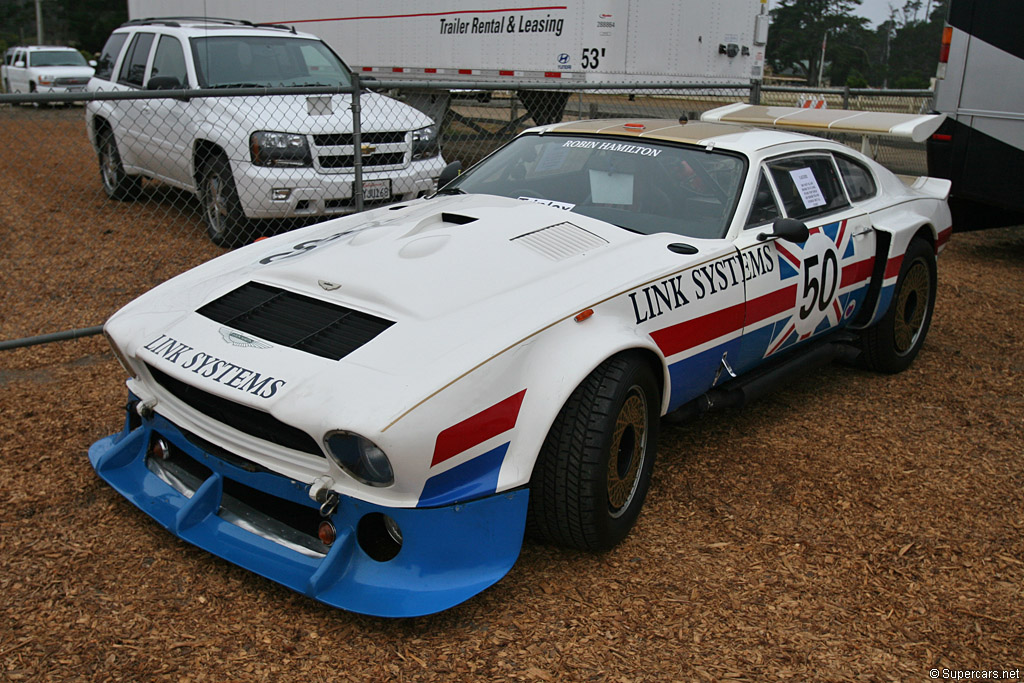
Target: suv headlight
point(279, 149)
point(46, 80)
point(425, 143)
point(359, 457)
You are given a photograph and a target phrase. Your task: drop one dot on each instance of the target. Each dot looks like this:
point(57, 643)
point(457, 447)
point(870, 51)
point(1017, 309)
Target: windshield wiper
point(238, 85)
point(450, 190)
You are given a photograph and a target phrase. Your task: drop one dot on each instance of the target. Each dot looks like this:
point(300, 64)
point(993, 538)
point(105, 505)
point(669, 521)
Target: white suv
point(268, 156)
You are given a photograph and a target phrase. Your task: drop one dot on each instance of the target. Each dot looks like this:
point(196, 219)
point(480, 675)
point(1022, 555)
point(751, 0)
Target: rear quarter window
point(860, 184)
point(111, 50)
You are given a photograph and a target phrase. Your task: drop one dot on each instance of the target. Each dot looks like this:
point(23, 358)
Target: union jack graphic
point(831, 289)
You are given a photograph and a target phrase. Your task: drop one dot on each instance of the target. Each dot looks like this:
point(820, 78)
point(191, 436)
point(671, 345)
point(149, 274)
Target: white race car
point(373, 410)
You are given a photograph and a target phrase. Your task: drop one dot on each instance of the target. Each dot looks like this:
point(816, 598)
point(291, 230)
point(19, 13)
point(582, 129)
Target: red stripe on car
point(671, 340)
point(474, 430)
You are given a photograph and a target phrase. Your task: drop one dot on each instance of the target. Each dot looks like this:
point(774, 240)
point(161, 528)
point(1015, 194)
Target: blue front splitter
point(448, 554)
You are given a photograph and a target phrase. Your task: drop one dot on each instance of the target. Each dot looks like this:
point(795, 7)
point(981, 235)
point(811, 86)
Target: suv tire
point(222, 212)
point(116, 183)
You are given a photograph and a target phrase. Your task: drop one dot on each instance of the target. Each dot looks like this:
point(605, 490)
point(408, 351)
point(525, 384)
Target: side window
point(133, 70)
point(112, 48)
point(859, 182)
point(169, 60)
point(808, 185)
point(764, 209)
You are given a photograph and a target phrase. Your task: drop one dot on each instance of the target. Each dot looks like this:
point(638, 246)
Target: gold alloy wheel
point(911, 307)
point(627, 451)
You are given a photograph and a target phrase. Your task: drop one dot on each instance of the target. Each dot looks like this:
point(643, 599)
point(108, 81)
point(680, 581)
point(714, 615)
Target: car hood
point(313, 114)
point(65, 71)
point(462, 279)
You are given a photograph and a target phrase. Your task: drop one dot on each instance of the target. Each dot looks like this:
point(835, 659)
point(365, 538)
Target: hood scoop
point(293, 320)
point(560, 241)
point(319, 105)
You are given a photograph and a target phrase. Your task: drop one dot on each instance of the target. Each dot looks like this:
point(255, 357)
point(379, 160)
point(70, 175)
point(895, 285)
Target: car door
point(799, 291)
point(167, 153)
point(131, 129)
point(17, 74)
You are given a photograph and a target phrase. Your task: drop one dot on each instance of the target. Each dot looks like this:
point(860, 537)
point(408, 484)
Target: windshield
point(641, 185)
point(266, 62)
point(56, 58)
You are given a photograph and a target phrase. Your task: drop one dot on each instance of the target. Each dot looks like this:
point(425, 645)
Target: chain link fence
point(108, 194)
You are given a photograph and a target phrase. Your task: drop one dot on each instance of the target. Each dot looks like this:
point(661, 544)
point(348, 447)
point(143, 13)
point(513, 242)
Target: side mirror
point(93, 63)
point(789, 229)
point(163, 83)
point(450, 173)
point(19, 65)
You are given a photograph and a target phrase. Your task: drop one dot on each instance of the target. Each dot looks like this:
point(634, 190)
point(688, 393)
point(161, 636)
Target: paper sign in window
point(551, 159)
point(611, 188)
point(808, 188)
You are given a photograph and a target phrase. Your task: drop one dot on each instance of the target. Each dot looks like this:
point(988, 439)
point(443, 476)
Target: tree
point(799, 27)
point(84, 24)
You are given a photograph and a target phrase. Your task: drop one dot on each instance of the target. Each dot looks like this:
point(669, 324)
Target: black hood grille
point(296, 321)
point(251, 421)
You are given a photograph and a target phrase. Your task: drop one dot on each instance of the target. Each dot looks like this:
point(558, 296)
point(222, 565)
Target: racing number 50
point(819, 288)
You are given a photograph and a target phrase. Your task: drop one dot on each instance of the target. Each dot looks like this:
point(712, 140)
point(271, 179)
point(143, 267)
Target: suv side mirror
point(789, 229)
point(450, 173)
point(20, 64)
point(93, 63)
point(163, 83)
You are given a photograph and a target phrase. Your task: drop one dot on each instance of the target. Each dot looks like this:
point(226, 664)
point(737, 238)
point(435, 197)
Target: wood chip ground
point(851, 527)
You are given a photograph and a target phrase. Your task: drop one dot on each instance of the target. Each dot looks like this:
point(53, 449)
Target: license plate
point(376, 190)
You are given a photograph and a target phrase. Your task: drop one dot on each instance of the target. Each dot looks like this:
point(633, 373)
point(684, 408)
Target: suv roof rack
point(176, 22)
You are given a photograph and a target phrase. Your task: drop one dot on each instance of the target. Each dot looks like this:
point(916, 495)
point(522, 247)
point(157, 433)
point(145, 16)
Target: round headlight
point(360, 458)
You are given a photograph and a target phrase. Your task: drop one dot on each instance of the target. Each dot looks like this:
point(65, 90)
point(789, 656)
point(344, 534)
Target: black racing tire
point(892, 343)
point(222, 212)
point(116, 183)
point(594, 469)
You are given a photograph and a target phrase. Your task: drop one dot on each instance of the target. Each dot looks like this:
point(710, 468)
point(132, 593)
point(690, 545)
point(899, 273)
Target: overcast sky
point(877, 11)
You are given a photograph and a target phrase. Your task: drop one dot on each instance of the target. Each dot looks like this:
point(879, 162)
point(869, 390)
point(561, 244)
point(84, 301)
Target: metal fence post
point(357, 143)
point(846, 97)
point(755, 91)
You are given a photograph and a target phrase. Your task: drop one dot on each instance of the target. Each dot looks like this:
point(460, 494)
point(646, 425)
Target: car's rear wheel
point(594, 469)
point(222, 212)
point(892, 344)
point(116, 183)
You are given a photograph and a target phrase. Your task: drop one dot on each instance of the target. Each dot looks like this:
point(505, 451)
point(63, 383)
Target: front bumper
point(261, 521)
point(315, 193)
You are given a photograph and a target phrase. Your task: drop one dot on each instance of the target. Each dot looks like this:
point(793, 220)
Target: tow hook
point(320, 491)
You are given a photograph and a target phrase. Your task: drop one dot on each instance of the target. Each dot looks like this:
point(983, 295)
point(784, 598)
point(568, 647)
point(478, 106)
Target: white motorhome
point(982, 141)
point(521, 43)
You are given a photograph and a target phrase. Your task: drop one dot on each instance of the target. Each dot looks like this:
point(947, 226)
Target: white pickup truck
point(45, 69)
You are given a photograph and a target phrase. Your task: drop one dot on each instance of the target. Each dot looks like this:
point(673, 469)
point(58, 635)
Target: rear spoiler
point(916, 127)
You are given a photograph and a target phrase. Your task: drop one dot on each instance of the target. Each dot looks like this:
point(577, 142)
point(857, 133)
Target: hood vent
point(560, 241)
point(296, 321)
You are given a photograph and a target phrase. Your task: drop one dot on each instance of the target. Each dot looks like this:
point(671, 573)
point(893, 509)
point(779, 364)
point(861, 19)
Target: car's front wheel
point(594, 469)
point(892, 344)
point(116, 183)
point(222, 212)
